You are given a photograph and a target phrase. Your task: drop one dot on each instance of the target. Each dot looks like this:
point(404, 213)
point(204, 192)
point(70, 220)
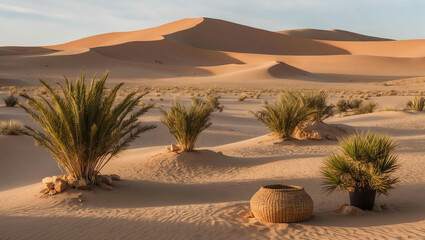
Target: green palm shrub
point(417, 103)
point(186, 123)
point(365, 162)
point(286, 114)
point(11, 127)
point(316, 101)
point(11, 100)
point(84, 126)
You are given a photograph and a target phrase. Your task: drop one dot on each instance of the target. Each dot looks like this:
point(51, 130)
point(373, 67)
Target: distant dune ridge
point(205, 51)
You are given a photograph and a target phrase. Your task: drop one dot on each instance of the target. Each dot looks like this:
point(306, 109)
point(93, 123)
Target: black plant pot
point(363, 199)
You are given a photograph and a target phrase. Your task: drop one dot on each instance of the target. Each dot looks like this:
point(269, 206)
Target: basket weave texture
point(281, 203)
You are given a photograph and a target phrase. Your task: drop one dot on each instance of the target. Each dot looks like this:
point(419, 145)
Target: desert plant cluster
point(355, 106)
point(85, 126)
point(416, 104)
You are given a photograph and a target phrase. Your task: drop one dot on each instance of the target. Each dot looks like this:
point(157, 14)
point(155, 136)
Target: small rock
point(115, 177)
point(250, 215)
point(60, 185)
point(220, 153)
point(104, 186)
point(174, 148)
point(47, 180)
point(347, 210)
point(168, 149)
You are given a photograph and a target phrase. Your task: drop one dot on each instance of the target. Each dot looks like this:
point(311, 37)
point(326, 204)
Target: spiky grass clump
point(84, 127)
point(416, 103)
point(354, 103)
point(11, 127)
point(316, 101)
point(11, 100)
point(365, 162)
point(186, 123)
point(213, 100)
point(365, 107)
point(342, 106)
point(284, 115)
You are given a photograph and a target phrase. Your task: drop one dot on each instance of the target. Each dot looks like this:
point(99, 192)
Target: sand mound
point(186, 166)
point(165, 52)
point(283, 70)
point(347, 210)
point(334, 35)
point(221, 35)
point(320, 130)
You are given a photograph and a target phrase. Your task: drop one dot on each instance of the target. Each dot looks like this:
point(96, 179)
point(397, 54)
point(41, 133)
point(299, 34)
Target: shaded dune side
point(221, 35)
point(334, 35)
point(8, 51)
point(283, 70)
point(165, 52)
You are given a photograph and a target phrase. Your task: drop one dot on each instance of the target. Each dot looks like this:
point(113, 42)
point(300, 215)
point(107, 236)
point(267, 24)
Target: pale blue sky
point(46, 22)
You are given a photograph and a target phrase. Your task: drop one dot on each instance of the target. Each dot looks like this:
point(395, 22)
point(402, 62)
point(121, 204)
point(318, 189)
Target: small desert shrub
point(365, 162)
point(317, 103)
point(365, 107)
point(84, 128)
point(284, 115)
point(242, 97)
point(342, 106)
point(11, 127)
point(355, 103)
point(11, 100)
point(416, 103)
point(186, 123)
point(213, 100)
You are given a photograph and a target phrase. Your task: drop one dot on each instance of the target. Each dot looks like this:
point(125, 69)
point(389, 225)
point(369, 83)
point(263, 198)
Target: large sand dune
point(208, 52)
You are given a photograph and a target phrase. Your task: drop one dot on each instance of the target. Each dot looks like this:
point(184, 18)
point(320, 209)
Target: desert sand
point(205, 194)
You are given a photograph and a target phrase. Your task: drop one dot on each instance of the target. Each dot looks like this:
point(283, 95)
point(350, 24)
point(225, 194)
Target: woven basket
point(281, 203)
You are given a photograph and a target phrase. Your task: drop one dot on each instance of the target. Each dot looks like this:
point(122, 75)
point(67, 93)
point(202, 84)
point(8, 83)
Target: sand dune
point(165, 52)
point(220, 35)
point(398, 49)
point(207, 51)
point(334, 35)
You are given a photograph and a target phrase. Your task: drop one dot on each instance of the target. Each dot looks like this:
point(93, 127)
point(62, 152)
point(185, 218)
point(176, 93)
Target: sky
point(48, 22)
